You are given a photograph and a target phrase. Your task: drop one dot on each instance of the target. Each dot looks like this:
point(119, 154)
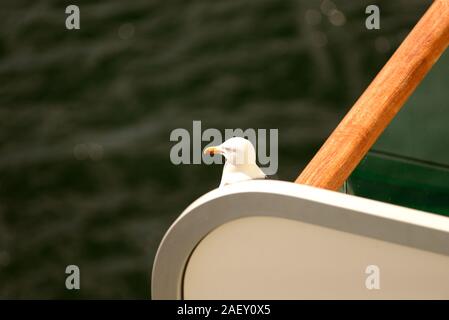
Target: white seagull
point(240, 161)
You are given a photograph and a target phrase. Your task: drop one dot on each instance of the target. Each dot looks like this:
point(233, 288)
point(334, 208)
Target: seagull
point(240, 161)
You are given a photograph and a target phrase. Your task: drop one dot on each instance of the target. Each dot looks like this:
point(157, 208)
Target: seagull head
point(237, 151)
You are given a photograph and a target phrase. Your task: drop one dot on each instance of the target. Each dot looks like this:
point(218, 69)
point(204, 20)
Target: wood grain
point(380, 102)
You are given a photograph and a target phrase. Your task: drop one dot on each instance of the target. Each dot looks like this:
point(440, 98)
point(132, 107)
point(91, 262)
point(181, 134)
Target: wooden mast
point(380, 102)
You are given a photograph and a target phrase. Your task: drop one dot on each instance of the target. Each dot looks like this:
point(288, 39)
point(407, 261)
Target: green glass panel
point(421, 129)
point(409, 163)
point(400, 180)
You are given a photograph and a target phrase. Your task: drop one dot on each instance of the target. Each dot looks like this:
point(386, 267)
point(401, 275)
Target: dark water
point(86, 115)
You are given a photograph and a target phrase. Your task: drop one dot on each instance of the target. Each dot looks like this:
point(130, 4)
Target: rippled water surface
point(86, 116)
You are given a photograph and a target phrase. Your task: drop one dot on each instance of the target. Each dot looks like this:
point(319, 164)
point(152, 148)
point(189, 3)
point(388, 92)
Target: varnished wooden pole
point(380, 102)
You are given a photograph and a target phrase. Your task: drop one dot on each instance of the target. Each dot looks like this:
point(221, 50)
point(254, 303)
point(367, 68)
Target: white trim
point(329, 209)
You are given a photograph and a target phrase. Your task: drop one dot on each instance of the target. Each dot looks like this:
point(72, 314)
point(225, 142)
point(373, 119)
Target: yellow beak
point(213, 150)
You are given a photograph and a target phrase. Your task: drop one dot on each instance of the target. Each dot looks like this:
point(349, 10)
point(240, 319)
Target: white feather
point(232, 174)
